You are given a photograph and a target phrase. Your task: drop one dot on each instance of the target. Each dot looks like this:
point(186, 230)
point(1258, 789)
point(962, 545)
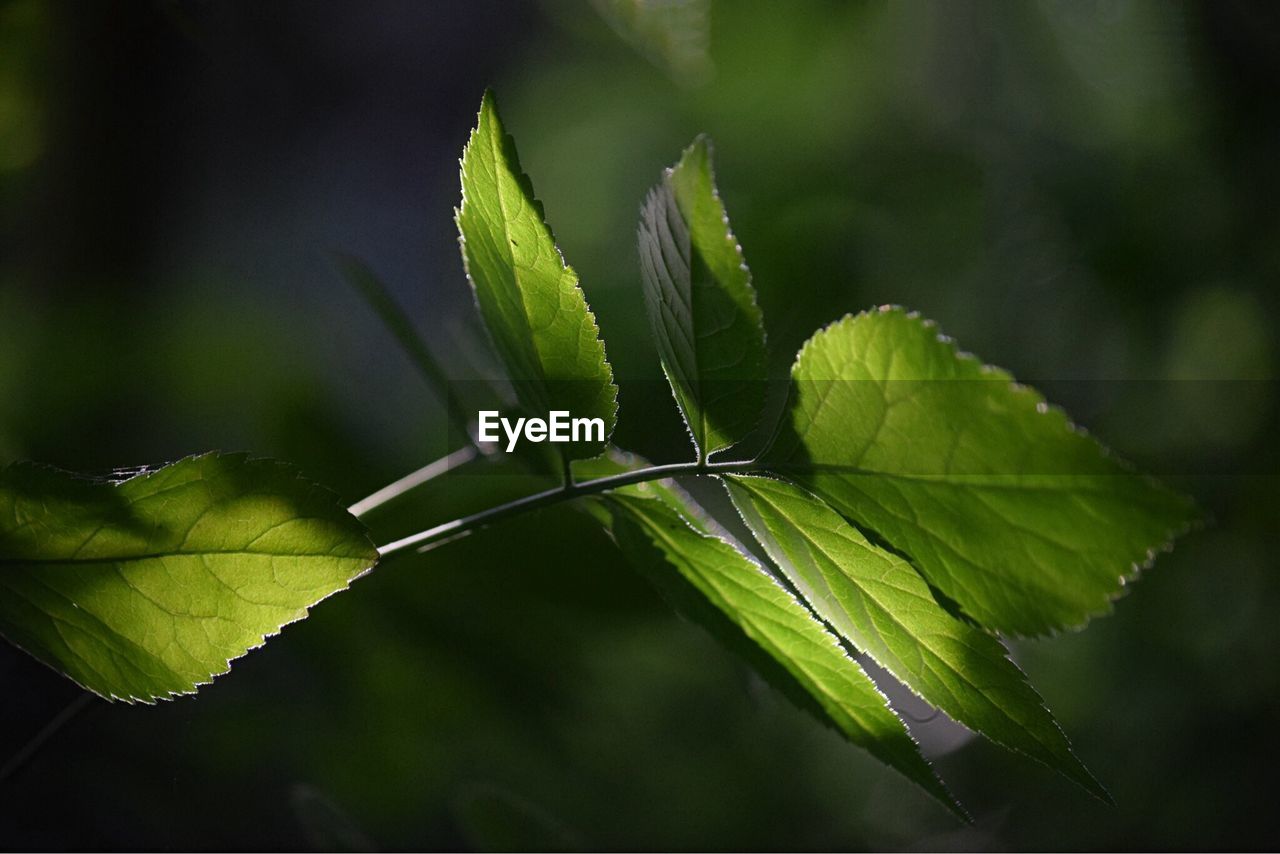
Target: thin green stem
point(430, 471)
point(550, 497)
point(361, 277)
point(48, 731)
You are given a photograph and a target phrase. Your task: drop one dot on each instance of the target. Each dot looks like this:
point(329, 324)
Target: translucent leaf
point(529, 298)
point(147, 587)
point(882, 606)
point(701, 305)
point(713, 583)
point(1023, 520)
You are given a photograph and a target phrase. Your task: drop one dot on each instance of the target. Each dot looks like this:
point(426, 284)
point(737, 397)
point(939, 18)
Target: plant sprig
point(913, 506)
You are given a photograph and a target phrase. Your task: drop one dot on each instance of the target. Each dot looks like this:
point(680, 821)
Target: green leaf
point(1028, 524)
point(148, 587)
point(529, 298)
point(673, 36)
point(882, 606)
point(701, 304)
point(727, 592)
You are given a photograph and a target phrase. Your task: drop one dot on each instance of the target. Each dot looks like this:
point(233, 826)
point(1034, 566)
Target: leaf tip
point(700, 151)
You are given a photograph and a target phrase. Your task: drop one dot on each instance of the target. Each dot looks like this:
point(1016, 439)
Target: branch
point(424, 539)
point(431, 470)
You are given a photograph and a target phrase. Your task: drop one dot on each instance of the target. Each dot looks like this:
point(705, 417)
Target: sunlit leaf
point(1028, 524)
point(147, 587)
point(881, 605)
point(718, 586)
point(529, 298)
point(702, 307)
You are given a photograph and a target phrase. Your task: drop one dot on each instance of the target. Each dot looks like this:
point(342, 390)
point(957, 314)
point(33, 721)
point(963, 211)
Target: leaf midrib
point(496, 134)
point(891, 614)
point(45, 561)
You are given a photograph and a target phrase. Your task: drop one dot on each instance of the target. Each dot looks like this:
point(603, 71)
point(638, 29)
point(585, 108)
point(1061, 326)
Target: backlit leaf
point(715, 584)
point(881, 605)
point(1007, 508)
point(148, 587)
point(529, 298)
point(701, 305)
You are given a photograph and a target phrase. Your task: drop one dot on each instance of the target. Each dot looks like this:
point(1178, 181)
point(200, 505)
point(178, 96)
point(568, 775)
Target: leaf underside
point(149, 587)
point(529, 298)
point(702, 307)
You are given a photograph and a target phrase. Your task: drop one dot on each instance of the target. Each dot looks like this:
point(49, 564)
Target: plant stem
point(48, 731)
point(430, 471)
point(361, 277)
point(557, 495)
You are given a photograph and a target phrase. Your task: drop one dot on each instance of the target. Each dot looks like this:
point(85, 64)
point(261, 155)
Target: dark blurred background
point(1083, 192)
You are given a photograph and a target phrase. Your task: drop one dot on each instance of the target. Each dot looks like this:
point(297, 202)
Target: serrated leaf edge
point(834, 638)
point(1098, 790)
point(490, 100)
point(170, 696)
point(729, 237)
point(1125, 580)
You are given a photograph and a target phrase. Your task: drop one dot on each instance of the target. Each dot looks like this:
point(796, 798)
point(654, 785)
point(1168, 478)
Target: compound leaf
point(1025, 522)
point(147, 587)
point(882, 606)
point(529, 298)
point(717, 585)
point(701, 304)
